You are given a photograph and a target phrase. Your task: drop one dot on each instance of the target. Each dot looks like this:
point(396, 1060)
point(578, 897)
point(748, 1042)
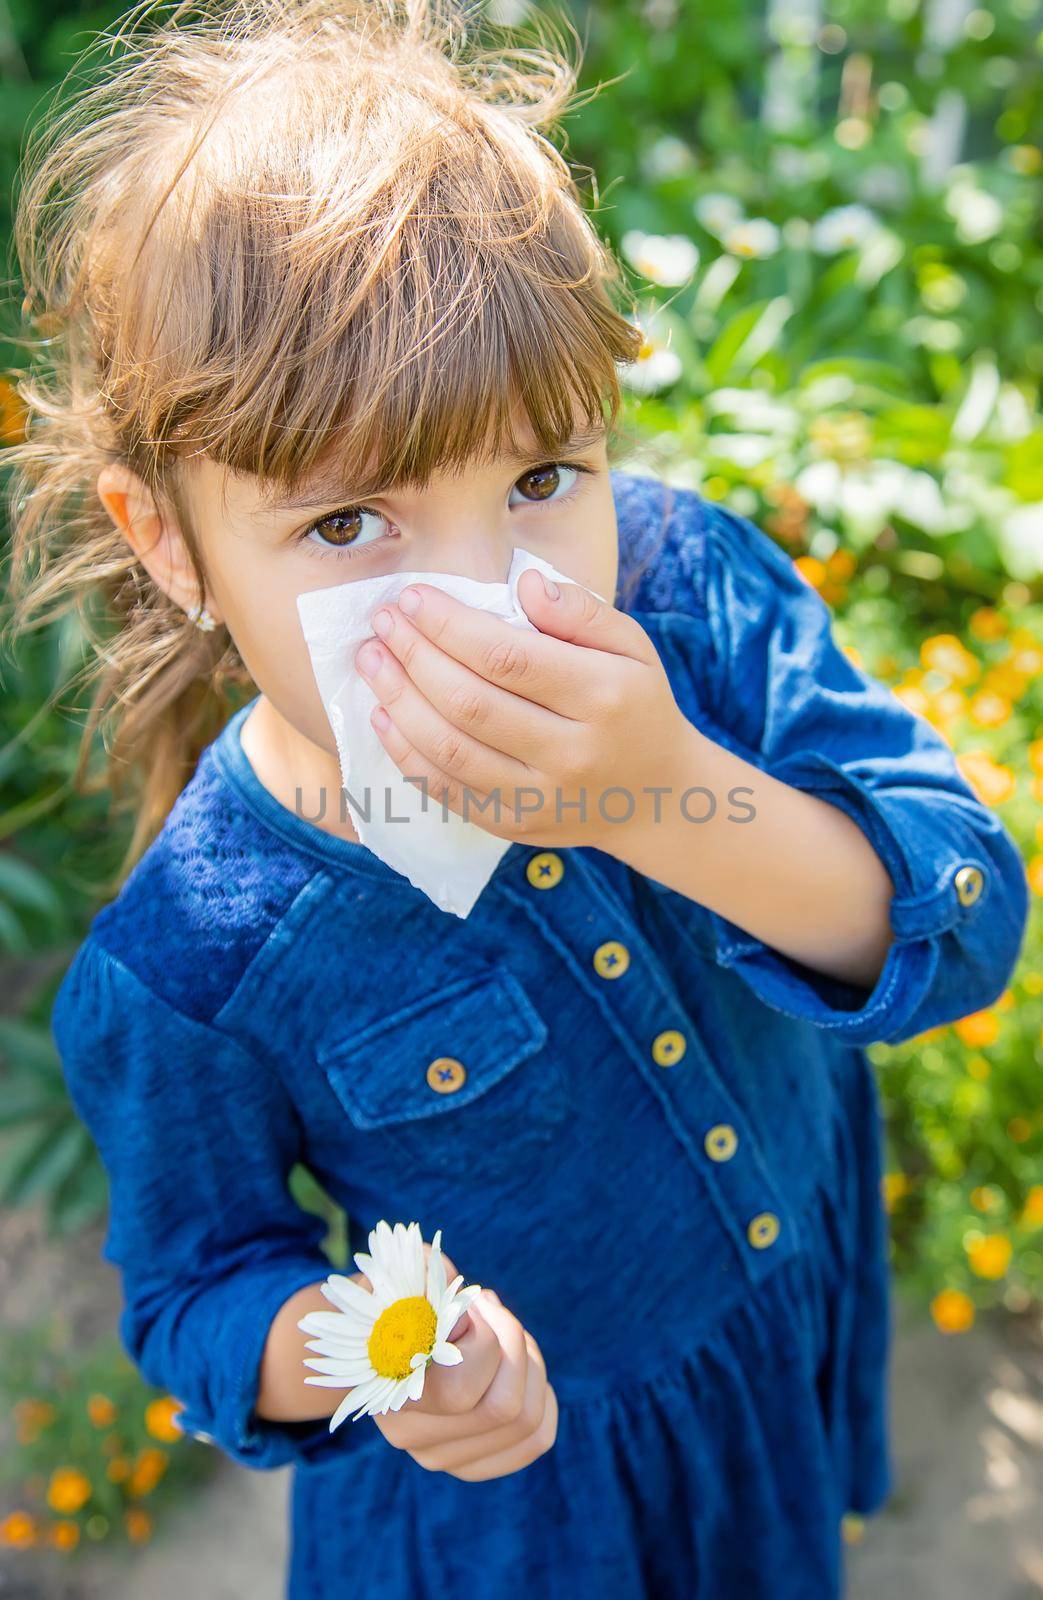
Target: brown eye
point(540, 483)
point(340, 527)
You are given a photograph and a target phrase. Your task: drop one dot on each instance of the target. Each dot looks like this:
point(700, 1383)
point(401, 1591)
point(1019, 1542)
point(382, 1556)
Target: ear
point(156, 539)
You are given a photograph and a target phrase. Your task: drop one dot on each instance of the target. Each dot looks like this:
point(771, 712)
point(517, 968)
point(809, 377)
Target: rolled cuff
point(214, 1368)
point(957, 915)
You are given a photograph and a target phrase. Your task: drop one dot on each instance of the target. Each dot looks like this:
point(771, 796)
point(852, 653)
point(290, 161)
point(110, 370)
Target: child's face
point(260, 556)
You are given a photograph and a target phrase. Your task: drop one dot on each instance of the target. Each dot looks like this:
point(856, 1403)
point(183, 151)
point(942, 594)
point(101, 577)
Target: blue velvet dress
point(664, 1152)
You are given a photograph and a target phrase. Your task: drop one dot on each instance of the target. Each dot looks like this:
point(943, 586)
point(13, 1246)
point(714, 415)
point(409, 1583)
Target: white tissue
point(450, 859)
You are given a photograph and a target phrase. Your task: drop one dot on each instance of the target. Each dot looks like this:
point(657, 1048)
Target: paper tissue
point(449, 859)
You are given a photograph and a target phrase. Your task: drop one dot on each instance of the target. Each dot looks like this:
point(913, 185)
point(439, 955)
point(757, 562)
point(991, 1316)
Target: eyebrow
point(325, 489)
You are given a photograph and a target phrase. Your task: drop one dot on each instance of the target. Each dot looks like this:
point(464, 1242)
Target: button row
point(611, 960)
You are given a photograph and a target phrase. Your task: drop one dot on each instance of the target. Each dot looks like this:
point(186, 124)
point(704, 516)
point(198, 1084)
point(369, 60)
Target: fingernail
point(551, 587)
point(382, 623)
point(369, 659)
point(463, 1326)
point(409, 600)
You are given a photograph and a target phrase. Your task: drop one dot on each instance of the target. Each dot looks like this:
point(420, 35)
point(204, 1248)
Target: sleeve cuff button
point(969, 883)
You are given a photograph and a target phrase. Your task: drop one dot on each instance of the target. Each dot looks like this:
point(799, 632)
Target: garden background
point(830, 215)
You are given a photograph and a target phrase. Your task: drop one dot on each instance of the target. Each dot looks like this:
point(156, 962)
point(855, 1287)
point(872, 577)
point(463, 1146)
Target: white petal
point(351, 1297)
point(447, 1355)
point(347, 1405)
point(327, 1383)
point(326, 1345)
point(384, 1287)
point(350, 1371)
point(419, 1359)
point(343, 1324)
point(416, 1383)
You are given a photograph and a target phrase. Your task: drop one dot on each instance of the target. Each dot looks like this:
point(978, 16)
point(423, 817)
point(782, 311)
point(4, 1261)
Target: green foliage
point(843, 341)
point(90, 1453)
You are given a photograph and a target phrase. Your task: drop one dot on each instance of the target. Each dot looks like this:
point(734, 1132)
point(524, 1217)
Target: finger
point(489, 808)
point(451, 1391)
point(502, 1400)
point(427, 691)
point(521, 1412)
point(519, 1455)
point(580, 616)
point(525, 661)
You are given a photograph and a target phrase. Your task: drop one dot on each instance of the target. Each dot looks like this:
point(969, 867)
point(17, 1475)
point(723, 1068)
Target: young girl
point(326, 306)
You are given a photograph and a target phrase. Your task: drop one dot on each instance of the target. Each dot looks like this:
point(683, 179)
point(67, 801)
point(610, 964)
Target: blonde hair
point(280, 227)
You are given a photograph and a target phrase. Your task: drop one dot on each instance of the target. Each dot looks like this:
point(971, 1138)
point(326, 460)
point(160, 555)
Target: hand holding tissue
point(449, 859)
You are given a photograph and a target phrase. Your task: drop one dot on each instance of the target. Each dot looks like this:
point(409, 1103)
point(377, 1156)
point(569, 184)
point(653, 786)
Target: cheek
point(261, 613)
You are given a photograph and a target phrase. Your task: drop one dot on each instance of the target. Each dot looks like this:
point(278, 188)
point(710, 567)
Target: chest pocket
point(457, 1079)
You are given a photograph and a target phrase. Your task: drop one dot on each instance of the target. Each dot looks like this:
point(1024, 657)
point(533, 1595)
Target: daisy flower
point(378, 1345)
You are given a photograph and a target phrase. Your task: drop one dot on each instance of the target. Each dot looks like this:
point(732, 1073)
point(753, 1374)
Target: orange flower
point(841, 565)
point(32, 1417)
point(979, 1028)
point(913, 698)
point(1034, 871)
point(987, 623)
point(64, 1535)
point(101, 1410)
point(1036, 756)
point(947, 654)
point(13, 413)
point(992, 782)
point(989, 1255)
point(1018, 1129)
point(18, 1530)
point(893, 1185)
point(138, 1524)
point(986, 1197)
point(953, 1311)
point(148, 1469)
point(1004, 679)
point(161, 1419)
point(68, 1489)
point(990, 710)
point(1032, 1211)
point(118, 1469)
point(812, 570)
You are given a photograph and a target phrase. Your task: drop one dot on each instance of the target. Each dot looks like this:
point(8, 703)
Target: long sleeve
point(197, 1139)
point(784, 696)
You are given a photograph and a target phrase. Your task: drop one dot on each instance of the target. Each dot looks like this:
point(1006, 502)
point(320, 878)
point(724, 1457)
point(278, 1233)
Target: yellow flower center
point(399, 1332)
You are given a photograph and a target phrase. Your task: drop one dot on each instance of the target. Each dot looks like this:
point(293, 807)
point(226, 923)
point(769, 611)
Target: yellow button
point(611, 959)
point(721, 1142)
point(545, 870)
point(969, 882)
point(763, 1230)
point(446, 1074)
point(668, 1047)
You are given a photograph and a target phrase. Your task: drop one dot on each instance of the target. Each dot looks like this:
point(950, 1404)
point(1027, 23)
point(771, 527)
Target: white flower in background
point(867, 497)
point(753, 238)
point(1021, 542)
point(655, 367)
point(379, 1345)
point(843, 228)
point(667, 157)
point(667, 259)
point(718, 212)
point(978, 216)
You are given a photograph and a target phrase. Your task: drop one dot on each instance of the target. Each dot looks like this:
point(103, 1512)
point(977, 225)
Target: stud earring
point(201, 617)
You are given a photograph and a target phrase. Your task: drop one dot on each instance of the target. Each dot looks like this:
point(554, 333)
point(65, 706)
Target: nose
point(470, 544)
